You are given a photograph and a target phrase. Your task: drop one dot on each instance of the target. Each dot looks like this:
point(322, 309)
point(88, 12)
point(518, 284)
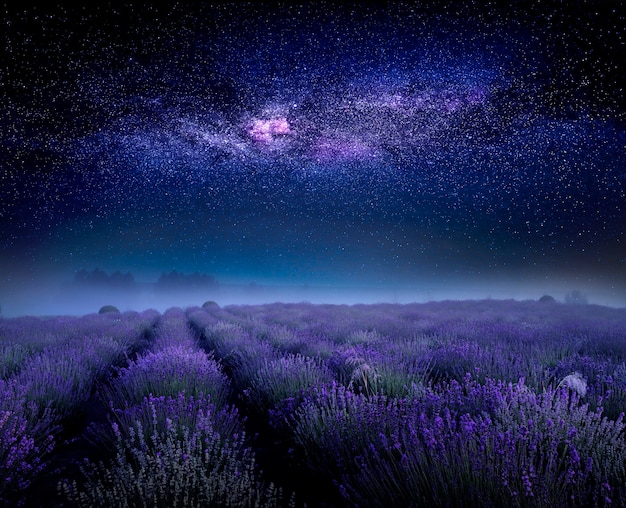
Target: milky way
point(316, 144)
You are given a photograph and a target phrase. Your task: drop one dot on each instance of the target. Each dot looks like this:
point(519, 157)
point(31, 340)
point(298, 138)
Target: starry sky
point(406, 145)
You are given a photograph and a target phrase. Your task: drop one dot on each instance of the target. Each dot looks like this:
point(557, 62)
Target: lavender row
point(21, 338)
point(50, 388)
point(176, 440)
point(393, 349)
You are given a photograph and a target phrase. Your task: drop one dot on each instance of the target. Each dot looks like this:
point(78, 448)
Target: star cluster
point(316, 143)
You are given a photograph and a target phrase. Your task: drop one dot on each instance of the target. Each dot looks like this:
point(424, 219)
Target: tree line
point(126, 280)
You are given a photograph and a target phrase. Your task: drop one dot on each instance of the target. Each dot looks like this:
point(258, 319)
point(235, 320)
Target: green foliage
point(283, 378)
point(222, 337)
point(363, 337)
point(12, 357)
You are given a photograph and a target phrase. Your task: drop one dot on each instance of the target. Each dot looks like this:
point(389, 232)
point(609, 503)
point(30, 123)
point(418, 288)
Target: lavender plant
point(173, 330)
point(245, 362)
point(393, 369)
point(222, 337)
point(282, 378)
point(21, 456)
point(171, 464)
point(12, 357)
point(182, 411)
point(333, 424)
point(512, 448)
point(282, 338)
point(63, 378)
point(26, 439)
point(168, 371)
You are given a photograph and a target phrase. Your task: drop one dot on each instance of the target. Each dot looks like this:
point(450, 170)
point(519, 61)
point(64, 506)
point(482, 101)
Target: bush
point(547, 299)
point(108, 308)
point(210, 305)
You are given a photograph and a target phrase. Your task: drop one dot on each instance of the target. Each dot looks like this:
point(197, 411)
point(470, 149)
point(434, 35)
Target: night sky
point(432, 146)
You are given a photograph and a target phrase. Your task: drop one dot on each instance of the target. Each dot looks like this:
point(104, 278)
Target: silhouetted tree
point(100, 278)
point(177, 280)
point(120, 279)
point(81, 277)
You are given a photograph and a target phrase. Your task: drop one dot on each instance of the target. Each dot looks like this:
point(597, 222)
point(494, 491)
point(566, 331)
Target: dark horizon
point(69, 298)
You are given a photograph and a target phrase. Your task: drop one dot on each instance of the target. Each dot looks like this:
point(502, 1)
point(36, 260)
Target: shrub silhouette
point(210, 305)
point(547, 299)
point(108, 308)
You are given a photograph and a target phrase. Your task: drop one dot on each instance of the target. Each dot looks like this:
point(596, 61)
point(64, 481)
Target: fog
point(70, 299)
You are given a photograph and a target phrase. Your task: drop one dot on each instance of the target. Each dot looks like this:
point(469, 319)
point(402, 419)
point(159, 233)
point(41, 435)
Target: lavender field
point(457, 403)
